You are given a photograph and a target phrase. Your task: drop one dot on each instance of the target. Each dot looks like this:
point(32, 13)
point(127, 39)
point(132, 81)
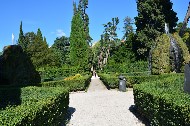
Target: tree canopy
point(61, 48)
point(150, 22)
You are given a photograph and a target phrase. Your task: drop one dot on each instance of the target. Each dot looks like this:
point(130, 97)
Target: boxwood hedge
point(112, 81)
point(163, 101)
point(78, 84)
point(39, 106)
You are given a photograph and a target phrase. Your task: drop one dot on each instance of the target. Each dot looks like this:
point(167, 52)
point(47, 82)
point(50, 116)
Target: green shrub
point(56, 73)
point(9, 96)
point(163, 101)
point(78, 84)
point(73, 77)
point(145, 73)
point(127, 67)
point(161, 59)
point(161, 55)
point(184, 49)
point(111, 80)
point(39, 106)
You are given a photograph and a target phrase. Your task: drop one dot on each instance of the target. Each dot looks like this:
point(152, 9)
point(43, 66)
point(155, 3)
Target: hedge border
point(163, 102)
point(49, 110)
point(112, 81)
point(79, 84)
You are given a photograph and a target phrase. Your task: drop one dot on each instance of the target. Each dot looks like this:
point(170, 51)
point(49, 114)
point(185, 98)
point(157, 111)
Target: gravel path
point(102, 107)
point(96, 85)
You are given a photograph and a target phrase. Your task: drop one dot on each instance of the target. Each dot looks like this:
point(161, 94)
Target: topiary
point(16, 68)
point(161, 55)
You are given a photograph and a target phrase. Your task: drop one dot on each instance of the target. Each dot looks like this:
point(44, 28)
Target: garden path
point(96, 85)
point(101, 107)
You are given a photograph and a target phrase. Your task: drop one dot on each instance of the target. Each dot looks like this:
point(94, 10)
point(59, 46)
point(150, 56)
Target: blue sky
point(54, 17)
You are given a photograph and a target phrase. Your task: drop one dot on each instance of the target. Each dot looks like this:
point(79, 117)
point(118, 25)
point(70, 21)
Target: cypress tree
point(38, 51)
point(39, 36)
point(74, 8)
point(78, 46)
point(83, 5)
point(21, 39)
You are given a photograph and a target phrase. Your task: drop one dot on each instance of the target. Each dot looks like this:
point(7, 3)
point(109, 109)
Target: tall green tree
point(128, 28)
point(83, 5)
point(78, 46)
point(29, 37)
point(74, 8)
point(61, 48)
point(110, 34)
point(38, 50)
point(21, 39)
point(150, 22)
point(108, 41)
point(39, 37)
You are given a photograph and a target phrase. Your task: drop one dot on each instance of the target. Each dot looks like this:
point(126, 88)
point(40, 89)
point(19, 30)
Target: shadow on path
point(144, 120)
point(68, 116)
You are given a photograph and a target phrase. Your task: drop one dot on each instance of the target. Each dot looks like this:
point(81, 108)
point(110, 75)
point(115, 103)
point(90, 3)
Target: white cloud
point(60, 32)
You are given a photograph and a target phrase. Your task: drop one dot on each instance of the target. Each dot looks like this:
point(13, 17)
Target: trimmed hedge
point(39, 106)
point(112, 81)
point(57, 73)
point(78, 84)
point(161, 55)
point(163, 101)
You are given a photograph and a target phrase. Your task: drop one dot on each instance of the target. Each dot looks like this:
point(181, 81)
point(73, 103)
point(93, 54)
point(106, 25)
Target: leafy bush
point(184, 50)
point(74, 85)
point(127, 67)
point(39, 106)
point(9, 96)
point(161, 57)
point(112, 81)
point(163, 101)
point(56, 73)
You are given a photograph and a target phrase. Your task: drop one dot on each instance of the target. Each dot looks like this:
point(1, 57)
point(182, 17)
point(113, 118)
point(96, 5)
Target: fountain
point(170, 53)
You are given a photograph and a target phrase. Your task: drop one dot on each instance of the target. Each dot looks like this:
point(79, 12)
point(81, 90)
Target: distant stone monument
point(187, 78)
point(13, 39)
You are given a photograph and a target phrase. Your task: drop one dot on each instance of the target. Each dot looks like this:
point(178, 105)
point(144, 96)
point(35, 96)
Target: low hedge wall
point(39, 106)
point(78, 84)
point(112, 81)
point(163, 101)
point(58, 73)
